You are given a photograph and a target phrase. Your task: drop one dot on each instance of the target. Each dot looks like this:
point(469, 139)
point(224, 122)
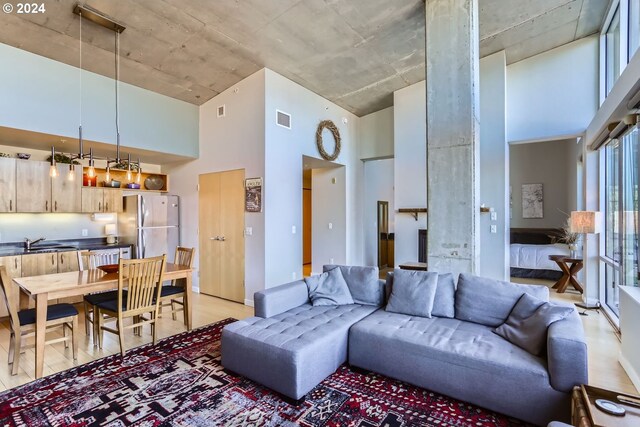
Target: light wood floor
point(604, 346)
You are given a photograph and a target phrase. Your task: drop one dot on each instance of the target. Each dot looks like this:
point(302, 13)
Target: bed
point(529, 252)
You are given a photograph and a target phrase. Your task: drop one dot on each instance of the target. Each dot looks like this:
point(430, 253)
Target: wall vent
point(222, 110)
point(283, 119)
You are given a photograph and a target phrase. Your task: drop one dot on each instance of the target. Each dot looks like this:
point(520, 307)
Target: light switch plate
point(248, 231)
point(494, 216)
point(494, 229)
point(330, 226)
point(293, 229)
point(331, 261)
point(85, 232)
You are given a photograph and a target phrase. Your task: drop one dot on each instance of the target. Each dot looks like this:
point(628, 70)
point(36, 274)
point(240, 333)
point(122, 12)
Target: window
point(612, 46)
point(612, 174)
point(634, 27)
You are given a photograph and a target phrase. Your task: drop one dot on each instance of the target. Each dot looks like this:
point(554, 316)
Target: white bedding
point(536, 257)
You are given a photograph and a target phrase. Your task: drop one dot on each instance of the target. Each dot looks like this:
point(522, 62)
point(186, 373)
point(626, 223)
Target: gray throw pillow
point(364, 283)
point(528, 322)
point(488, 301)
point(328, 288)
point(444, 302)
point(413, 292)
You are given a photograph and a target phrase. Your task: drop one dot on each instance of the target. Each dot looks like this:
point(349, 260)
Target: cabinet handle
point(99, 206)
point(106, 206)
point(15, 262)
point(61, 258)
point(53, 259)
point(10, 205)
point(55, 204)
point(46, 205)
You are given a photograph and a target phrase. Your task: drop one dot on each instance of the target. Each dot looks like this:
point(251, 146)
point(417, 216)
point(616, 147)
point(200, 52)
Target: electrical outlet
point(248, 231)
point(494, 216)
point(293, 229)
point(330, 226)
point(85, 232)
point(331, 261)
point(494, 229)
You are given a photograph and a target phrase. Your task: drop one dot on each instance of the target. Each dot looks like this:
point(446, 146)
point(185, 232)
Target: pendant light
point(53, 169)
point(129, 176)
point(92, 170)
point(139, 175)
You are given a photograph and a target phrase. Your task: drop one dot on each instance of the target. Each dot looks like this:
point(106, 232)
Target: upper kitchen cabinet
point(98, 199)
point(66, 193)
point(7, 184)
point(33, 186)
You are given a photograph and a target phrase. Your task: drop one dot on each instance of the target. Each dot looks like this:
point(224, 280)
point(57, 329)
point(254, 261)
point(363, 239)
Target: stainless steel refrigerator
point(151, 223)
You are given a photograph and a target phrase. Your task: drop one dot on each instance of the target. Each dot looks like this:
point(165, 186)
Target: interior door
point(221, 234)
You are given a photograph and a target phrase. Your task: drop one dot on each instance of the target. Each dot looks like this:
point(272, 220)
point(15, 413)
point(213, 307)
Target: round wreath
point(330, 126)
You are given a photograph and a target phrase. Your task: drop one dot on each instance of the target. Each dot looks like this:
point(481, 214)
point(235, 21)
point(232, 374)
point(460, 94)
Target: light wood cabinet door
point(92, 199)
point(66, 194)
point(112, 201)
point(39, 264)
point(33, 186)
point(13, 265)
point(7, 185)
point(68, 261)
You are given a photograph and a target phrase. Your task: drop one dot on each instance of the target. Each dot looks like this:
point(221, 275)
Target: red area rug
point(180, 382)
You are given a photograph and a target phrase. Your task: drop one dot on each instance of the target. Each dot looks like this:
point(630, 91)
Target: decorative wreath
point(329, 125)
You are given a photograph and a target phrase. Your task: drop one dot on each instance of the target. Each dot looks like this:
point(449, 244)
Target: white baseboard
point(248, 302)
point(628, 367)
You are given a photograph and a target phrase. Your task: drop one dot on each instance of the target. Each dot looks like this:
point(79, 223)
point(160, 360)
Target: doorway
point(385, 252)
point(221, 234)
point(307, 223)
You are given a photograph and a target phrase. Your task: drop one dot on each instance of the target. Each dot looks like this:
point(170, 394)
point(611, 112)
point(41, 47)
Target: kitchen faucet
point(28, 242)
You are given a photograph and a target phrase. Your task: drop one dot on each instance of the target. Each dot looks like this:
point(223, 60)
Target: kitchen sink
point(50, 248)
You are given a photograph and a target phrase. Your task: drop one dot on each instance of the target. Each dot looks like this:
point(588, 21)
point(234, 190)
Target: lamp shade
point(586, 222)
point(110, 229)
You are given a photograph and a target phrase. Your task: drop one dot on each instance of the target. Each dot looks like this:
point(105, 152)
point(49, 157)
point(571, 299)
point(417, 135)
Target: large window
point(634, 27)
point(612, 46)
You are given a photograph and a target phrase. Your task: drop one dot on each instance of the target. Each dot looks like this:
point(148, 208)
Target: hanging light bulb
point(71, 175)
point(139, 176)
point(53, 169)
point(107, 176)
point(129, 175)
point(92, 170)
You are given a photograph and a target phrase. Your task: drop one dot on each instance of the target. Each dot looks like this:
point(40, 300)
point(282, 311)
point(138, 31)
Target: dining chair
point(170, 295)
point(143, 280)
point(23, 323)
point(88, 260)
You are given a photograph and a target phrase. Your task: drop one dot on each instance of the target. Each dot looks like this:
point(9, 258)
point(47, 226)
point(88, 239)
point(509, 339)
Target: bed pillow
point(413, 293)
point(444, 301)
point(529, 321)
point(364, 283)
point(488, 301)
point(328, 288)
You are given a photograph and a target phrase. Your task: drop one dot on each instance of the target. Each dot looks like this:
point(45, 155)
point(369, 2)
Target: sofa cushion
point(488, 301)
point(363, 282)
point(528, 322)
point(413, 292)
point(328, 288)
point(444, 301)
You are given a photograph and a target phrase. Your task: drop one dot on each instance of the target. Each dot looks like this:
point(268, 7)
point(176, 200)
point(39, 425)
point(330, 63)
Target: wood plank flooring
point(604, 346)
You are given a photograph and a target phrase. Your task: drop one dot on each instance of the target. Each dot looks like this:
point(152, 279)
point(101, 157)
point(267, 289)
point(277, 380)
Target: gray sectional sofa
point(291, 346)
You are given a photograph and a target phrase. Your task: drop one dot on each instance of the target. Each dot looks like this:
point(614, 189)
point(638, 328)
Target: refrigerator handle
point(143, 211)
point(143, 248)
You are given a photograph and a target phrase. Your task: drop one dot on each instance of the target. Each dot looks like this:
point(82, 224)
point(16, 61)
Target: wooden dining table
point(76, 283)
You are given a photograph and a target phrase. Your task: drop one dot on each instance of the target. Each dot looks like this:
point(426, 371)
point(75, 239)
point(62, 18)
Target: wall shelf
point(121, 175)
point(413, 211)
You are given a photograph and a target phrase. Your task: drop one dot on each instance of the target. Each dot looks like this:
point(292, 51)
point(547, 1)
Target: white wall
point(410, 171)
point(42, 95)
point(378, 186)
point(328, 201)
point(376, 134)
point(494, 167)
point(553, 94)
point(235, 141)
point(284, 149)
point(547, 163)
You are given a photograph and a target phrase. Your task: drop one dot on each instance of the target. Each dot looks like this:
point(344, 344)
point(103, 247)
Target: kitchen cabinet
point(33, 186)
point(13, 265)
point(66, 194)
point(101, 200)
point(39, 264)
point(68, 261)
point(7, 184)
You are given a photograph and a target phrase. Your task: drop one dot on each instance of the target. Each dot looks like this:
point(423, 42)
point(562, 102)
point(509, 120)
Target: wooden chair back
point(89, 260)
point(143, 279)
point(184, 256)
point(8, 291)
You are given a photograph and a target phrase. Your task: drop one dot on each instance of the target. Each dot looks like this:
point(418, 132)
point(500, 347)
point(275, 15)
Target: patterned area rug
point(180, 382)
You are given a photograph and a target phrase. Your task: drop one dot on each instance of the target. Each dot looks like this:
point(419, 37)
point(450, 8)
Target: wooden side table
point(570, 267)
point(584, 413)
point(420, 266)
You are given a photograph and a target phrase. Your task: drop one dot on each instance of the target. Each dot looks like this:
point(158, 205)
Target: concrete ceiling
point(355, 53)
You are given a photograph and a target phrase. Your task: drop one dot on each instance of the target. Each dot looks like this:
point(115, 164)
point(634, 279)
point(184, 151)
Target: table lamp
point(110, 231)
point(586, 222)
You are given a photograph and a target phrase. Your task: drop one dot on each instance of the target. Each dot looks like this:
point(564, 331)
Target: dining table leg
point(188, 291)
point(41, 330)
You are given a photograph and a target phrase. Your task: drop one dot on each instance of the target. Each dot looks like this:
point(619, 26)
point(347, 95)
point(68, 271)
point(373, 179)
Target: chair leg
point(87, 318)
point(64, 333)
point(74, 337)
point(16, 353)
point(154, 330)
point(97, 320)
point(121, 337)
point(11, 348)
point(173, 310)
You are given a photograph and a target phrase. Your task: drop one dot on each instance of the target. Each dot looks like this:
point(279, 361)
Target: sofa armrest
point(282, 298)
point(567, 353)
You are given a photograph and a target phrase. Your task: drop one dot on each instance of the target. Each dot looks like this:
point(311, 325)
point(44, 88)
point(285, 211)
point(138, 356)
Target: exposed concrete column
point(453, 135)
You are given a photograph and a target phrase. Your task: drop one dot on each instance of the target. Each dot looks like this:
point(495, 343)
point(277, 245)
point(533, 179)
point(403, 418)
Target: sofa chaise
point(291, 346)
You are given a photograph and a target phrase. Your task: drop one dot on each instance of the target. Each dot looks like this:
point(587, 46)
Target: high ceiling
point(355, 53)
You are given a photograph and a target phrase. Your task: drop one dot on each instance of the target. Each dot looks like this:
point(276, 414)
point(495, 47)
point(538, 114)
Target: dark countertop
point(17, 248)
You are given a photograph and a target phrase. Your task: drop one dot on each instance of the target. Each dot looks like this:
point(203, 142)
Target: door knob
point(222, 239)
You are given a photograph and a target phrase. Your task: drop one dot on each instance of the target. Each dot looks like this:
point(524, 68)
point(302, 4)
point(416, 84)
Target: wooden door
point(66, 194)
point(13, 264)
point(112, 200)
point(33, 186)
point(306, 225)
point(7, 185)
point(92, 199)
point(221, 234)
point(383, 234)
point(68, 261)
